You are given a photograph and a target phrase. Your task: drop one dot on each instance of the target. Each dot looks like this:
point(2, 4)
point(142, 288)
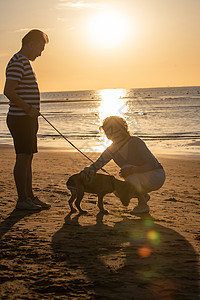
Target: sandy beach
point(51, 254)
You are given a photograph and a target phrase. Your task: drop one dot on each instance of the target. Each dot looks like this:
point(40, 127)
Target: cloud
point(29, 29)
point(22, 30)
point(65, 4)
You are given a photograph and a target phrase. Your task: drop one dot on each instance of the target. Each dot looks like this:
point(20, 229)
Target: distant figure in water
point(138, 165)
point(21, 89)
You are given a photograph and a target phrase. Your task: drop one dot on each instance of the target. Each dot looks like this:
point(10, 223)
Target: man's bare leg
point(20, 174)
point(22, 179)
point(29, 190)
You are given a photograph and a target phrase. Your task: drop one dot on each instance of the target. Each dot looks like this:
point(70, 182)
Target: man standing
point(22, 90)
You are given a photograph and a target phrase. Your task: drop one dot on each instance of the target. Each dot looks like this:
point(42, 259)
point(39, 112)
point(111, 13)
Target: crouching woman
point(138, 165)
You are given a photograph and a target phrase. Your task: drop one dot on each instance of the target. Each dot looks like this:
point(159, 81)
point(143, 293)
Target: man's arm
point(10, 93)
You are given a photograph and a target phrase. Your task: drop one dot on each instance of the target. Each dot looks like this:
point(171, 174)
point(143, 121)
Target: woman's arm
point(90, 171)
point(103, 159)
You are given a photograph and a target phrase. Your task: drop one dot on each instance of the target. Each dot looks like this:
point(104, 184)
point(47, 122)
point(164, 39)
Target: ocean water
point(167, 119)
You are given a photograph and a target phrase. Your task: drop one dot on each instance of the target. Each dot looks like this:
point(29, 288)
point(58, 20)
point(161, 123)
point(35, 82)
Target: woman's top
point(134, 152)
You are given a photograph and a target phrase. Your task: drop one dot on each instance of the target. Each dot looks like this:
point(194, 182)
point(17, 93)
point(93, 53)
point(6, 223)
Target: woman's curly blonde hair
point(115, 122)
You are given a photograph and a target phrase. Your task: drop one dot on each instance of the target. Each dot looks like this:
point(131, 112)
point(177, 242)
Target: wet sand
point(54, 255)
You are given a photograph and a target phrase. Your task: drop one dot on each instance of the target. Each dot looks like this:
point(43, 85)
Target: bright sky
point(106, 43)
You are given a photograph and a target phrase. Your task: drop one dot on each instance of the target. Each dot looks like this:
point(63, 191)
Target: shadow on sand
point(134, 259)
point(15, 216)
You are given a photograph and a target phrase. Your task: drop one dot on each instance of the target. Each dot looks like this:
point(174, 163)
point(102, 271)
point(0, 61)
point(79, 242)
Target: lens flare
point(148, 222)
point(148, 274)
point(154, 237)
point(144, 252)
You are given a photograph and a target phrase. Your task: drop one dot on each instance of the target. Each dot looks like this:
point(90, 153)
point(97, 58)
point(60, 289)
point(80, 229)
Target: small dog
point(101, 185)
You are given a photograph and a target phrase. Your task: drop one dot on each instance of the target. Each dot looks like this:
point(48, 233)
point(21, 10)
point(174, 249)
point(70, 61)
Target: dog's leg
point(71, 200)
point(80, 194)
point(100, 204)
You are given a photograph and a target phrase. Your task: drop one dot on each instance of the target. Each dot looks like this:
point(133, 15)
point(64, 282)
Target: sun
point(109, 28)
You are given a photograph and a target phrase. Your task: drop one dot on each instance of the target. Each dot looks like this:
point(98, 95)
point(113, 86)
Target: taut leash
point(70, 141)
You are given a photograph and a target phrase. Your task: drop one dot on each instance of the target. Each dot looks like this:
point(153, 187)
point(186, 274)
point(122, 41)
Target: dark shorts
point(24, 132)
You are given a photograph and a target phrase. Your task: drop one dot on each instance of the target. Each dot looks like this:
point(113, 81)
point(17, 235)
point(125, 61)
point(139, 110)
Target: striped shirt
point(20, 70)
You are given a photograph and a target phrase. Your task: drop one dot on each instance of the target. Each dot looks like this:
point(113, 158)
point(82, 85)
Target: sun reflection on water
point(112, 104)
